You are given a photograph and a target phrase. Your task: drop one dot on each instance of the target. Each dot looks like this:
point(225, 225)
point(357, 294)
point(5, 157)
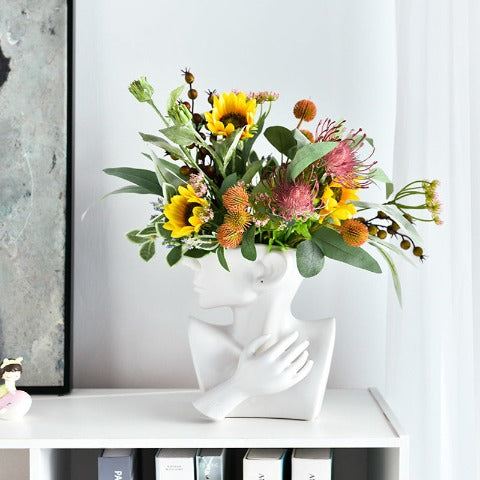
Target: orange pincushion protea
point(235, 199)
point(354, 233)
point(229, 236)
point(305, 110)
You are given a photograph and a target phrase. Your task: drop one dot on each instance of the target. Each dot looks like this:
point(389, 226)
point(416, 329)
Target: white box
point(263, 464)
point(312, 464)
point(175, 464)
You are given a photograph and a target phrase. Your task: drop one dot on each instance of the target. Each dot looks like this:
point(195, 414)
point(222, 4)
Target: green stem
point(159, 113)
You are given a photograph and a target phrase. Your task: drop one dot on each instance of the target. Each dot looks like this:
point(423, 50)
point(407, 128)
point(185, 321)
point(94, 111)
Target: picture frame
point(36, 191)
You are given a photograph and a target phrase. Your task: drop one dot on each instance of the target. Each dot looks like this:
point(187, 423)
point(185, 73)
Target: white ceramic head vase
point(267, 363)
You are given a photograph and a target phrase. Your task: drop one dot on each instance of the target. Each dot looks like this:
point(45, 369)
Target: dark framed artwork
point(36, 58)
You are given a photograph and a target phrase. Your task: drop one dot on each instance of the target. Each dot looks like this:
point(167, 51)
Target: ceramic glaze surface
point(267, 363)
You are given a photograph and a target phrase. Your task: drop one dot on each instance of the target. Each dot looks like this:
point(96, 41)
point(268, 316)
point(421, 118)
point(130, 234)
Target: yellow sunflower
point(335, 207)
point(231, 111)
point(185, 212)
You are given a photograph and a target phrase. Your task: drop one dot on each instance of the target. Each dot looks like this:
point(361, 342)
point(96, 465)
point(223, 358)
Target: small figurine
point(14, 403)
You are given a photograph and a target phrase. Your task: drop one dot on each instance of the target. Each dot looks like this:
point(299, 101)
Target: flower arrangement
point(215, 192)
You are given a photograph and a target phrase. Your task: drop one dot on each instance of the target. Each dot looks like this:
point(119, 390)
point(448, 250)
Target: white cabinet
point(63, 434)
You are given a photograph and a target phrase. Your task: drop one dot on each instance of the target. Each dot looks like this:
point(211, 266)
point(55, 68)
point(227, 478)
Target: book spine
point(210, 468)
point(120, 468)
point(174, 469)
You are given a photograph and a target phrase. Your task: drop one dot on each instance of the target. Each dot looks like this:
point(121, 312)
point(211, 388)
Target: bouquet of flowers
point(215, 192)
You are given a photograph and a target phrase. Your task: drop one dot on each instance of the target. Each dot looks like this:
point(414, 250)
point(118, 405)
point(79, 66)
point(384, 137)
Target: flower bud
point(192, 94)
point(382, 234)
point(180, 115)
point(141, 90)
point(405, 244)
point(418, 251)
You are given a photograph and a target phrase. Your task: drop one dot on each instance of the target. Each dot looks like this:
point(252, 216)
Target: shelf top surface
point(166, 418)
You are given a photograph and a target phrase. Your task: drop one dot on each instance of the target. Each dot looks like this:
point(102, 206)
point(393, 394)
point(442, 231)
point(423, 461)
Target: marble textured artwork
point(33, 169)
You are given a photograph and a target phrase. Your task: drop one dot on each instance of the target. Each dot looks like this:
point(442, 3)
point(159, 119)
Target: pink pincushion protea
point(341, 164)
point(293, 200)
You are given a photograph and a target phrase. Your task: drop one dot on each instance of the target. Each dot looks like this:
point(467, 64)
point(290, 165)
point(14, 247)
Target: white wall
point(130, 317)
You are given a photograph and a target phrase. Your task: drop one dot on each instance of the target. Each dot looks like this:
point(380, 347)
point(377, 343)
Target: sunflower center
point(188, 211)
point(236, 119)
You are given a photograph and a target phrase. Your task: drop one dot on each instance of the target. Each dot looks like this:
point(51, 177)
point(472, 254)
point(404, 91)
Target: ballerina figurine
point(14, 403)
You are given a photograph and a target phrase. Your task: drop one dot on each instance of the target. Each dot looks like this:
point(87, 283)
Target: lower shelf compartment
point(78, 464)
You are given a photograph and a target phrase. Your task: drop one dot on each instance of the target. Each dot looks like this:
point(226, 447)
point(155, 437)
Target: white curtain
point(433, 343)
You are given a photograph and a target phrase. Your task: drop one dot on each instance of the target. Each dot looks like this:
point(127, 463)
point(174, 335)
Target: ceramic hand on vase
point(14, 403)
point(273, 370)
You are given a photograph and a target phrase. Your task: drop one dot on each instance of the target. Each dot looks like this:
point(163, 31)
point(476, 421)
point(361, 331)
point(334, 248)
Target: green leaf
point(134, 238)
point(281, 138)
point(310, 259)
point(162, 143)
point(147, 232)
point(168, 191)
point(302, 229)
point(129, 189)
point(167, 172)
point(228, 182)
point(300, 139)
point(174, 255)
point(222, 259)
point(381, 176)
point(139, 176)
point(232, 148)
point(252, 170)
point(393, 271)
point(147, 250)
point(394, 213)
point(390, 246)
point(174, 96)
point(248, 244)
point(181, 135)
point(307, 155)
point(333, 246)
point(196, 253)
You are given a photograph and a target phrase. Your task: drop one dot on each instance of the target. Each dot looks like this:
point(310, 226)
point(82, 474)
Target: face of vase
point(11, 376)
point(216, 287)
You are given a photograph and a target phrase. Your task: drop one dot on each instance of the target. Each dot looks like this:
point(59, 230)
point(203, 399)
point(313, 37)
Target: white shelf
point(91, 419)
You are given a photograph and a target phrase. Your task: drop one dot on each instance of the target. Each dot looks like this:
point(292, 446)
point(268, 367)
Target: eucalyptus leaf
point(333, 246)
point(222, 259)
point(147, 250)
point(394, 213)
point(139, 176)
point(393, 271)
point(228, 182)
point(300, 139)
point(307, 155)
point(174, 255)
point(179, 134)
point(310, 259)
point(281, 138)
point(248, 244)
